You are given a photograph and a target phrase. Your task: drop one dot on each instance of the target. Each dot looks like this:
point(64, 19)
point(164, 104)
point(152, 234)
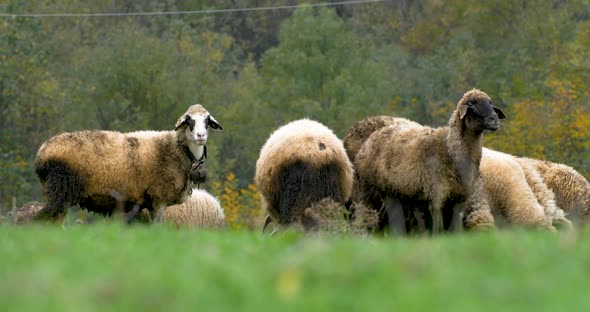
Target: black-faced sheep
point(300, 164)
point(516, 191)
point(200, 210)
point(101, 170)
point(438, 166)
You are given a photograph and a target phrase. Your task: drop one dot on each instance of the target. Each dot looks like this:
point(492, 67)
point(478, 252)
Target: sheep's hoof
point(484, 227)
point(563, 224)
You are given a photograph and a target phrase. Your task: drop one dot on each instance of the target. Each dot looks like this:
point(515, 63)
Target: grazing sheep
point(101, 170)
point(300, 164)
point(571, 189)
point(517, 193)
point(437, 166)
point(200, 210)
point(27, 212)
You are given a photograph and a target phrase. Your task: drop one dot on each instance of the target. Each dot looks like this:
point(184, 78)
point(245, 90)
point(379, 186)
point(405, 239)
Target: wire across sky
point(209, 11)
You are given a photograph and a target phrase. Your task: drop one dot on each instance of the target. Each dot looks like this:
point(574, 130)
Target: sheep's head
point(195, 123)
point(478, 113)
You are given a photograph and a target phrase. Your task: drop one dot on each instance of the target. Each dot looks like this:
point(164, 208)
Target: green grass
point(111, 267)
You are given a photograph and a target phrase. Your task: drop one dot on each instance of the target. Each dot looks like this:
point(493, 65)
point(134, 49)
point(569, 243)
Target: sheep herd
point(417, 179)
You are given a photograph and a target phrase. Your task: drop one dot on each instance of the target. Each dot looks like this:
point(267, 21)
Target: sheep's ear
point(500, 113)
point(463, 111)
point(184, 120)
point(214, 124)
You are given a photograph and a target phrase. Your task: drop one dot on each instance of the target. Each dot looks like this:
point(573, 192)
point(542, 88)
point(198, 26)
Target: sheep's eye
point(471, 103)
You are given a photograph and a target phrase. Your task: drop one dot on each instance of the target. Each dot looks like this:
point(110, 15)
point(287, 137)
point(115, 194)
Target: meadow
point(109, 266)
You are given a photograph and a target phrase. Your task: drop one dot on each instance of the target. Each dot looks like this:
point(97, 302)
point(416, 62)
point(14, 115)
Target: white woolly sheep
point(571, 189)
point(100, 170)
point(200, 210)
point(517, 193)
point(300, 164)
point(437, 166)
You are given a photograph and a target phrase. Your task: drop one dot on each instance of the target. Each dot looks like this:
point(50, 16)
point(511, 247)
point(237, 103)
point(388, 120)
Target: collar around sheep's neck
point(192, 157)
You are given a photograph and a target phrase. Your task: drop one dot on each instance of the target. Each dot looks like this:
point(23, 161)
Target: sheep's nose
point(492, 122)
point(201, 134)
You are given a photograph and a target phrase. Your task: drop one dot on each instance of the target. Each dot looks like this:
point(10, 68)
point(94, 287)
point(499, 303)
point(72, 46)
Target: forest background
point(258, 69)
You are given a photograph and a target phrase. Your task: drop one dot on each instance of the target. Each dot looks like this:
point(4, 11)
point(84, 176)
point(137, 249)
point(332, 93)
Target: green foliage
point(322, 70)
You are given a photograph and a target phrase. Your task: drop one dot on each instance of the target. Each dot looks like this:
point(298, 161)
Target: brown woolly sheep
point(200, 210)
point(359, 132)
point(353, 141)
point(300, 164)
point(101, 170)
point(571, 189)
point(517, 193)
point(438, 166)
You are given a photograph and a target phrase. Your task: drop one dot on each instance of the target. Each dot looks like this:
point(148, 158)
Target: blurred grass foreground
point(108, 266)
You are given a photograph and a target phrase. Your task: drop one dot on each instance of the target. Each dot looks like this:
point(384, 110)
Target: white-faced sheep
point(200, 210)
point(438, 166)
point(571, 189)
point(300, 164)
point(100, 170)
point(517, 192)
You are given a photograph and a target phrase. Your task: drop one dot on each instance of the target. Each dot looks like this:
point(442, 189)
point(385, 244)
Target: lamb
point(201, 210)
point(101, 170)
point(436, 166)
point(300, 164)
point(571, 189)
point(517, 192)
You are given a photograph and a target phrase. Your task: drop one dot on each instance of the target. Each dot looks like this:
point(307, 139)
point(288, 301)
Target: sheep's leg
point(437, 219)
point(395, 216)
point(160, 213)
point(457, 218)
point(267, 221)
point(420, 220)
point(131, 214)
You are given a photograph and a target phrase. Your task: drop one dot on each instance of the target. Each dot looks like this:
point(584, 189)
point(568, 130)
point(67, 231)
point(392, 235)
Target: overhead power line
point(211, 11)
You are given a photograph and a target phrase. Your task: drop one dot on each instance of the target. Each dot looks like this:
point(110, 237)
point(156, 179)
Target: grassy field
point(112, 267)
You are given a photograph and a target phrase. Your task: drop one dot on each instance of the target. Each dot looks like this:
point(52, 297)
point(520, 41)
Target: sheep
point(354, 139)
point(359, 132)
point(27, 212)
point(571, 189)
point(100, 170)
point(517, 192)
point(201, 210)
point(438, 166)
point(300, 164)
